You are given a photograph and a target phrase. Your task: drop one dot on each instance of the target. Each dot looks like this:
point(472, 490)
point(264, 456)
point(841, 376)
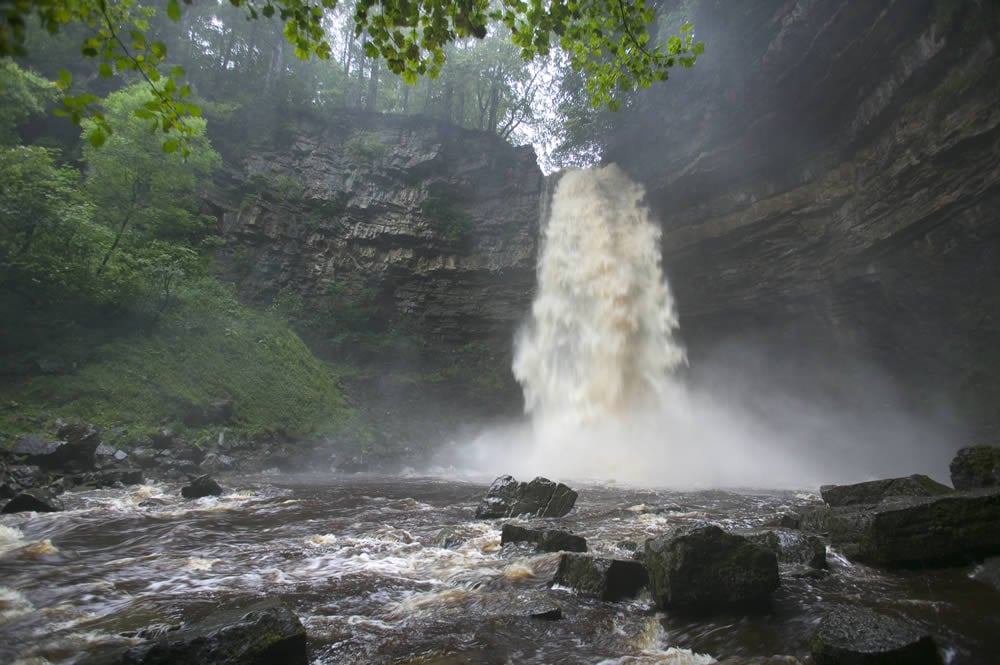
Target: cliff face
point(828, 176)
point(402, 243)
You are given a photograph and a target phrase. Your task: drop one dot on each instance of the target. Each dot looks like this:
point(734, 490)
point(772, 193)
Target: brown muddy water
point(355, 558)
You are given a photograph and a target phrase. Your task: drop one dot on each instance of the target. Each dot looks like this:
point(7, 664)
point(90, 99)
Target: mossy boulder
point(857, 636)
point(876, 491)
point(604, 578)
point(944, 530)
point(705, 569)
point(978, 466)
point(265, 634)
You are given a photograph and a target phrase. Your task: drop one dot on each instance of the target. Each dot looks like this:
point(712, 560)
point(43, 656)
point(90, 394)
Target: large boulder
point(74, 451)
point(607, 579)
point(201, 486)
point(544, 540)
point(857, 636)
point(34, 500)
point(541, 497)
point(704, 569)
point(875, 491)
point(266, 634)
point(941, 530)
point(978, 466)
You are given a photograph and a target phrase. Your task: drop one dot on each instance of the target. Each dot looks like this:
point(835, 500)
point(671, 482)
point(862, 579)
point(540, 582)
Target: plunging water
point(600, 338)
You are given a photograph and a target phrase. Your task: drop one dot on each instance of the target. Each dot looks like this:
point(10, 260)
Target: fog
point(610, 397)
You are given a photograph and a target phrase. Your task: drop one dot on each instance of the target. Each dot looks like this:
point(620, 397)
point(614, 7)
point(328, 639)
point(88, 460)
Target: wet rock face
point(954, 528)
point(856, 636)
point(869, 227)
point(705, 569)
point(267, 634)
point(978, 466)
point(545, 540)
point(607, 579)
point(541, 497)
point(439, 221)
point(875, 491)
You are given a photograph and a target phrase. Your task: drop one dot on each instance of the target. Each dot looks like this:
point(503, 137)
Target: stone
point(500, 498)
point(705, 569)
point(541, 497)
point(34, 500)
point(265, 634)
point(875, 491)
point(945, 530)
point(792, 547)
point(74, 452)
point(978, 466)
point(449, 538)
point(109, 478)
point(545, 540)
point(17, 477)
point(216, 462)
point(200, 487)
point(604, 578)
point(858, 636)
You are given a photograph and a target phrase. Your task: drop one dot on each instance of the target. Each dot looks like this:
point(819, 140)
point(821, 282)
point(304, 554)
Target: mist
point(611, 397)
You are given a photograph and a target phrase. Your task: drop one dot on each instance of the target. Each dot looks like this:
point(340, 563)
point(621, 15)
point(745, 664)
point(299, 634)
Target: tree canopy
point(610, 42)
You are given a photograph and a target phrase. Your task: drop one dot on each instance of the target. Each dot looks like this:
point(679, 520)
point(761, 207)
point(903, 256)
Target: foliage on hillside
point(207, 347)
point(110, 311)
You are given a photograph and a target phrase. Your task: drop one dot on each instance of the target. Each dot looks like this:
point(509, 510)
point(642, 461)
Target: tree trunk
point(372, 87)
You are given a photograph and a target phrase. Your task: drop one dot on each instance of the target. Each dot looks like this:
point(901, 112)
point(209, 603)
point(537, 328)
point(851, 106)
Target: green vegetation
point(111, 313)
point(610, 41)
point(453, 223)
point(209, 346)
point(365, 146)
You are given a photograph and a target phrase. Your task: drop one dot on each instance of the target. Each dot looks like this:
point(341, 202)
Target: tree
point(608, 40)
point(135, 185)
point(22, 94)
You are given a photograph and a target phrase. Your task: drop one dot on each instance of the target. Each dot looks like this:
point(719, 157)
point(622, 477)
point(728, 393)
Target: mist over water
point(599, 361)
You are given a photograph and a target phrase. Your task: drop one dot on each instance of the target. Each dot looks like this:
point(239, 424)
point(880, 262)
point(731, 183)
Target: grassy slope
point(207, 346)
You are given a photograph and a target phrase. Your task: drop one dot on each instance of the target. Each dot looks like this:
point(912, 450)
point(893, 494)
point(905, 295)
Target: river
point(358, 559)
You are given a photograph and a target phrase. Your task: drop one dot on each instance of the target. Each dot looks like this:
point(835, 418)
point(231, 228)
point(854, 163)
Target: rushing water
point(356, 559)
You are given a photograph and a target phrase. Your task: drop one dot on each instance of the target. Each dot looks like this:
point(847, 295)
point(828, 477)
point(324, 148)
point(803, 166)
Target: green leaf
point(174, 10)
point(97, 138)
point(170, 145)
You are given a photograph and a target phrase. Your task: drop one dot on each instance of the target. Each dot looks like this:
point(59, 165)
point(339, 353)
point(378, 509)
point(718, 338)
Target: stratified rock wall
point(407, 244)
point(440, 221)
point(828, 175)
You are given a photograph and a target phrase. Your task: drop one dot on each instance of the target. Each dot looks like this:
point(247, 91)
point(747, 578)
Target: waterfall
point(601, 331)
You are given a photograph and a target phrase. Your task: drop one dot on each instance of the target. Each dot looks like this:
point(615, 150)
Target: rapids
point(355, 557)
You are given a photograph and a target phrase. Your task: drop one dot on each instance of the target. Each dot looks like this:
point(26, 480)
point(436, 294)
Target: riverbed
point(398, 570)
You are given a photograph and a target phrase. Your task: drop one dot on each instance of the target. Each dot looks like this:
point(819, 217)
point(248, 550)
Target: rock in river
point(201, 486)
point(706, 569)
point(607, 579)
point(545, 540)
point(266, 634)
point(857, 636)
point(875, 491)
point(941, 530)
point(540, 498)
point(978, 466)
point(37, 500)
